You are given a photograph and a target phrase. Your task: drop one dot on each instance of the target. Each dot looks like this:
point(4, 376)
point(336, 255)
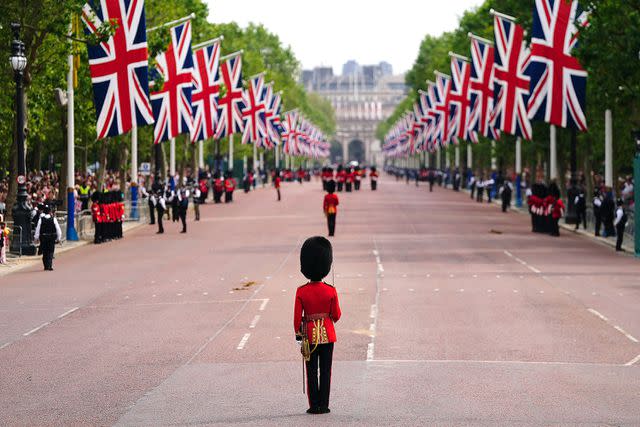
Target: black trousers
point(318, 393)
point(183, 219)
point(374, 185)
point(278, 190)
point(228, 196)
point(217, 196)
point(331, 223)
point(356, 185)
point(152, 213)
point(598, 225)
point(160, 215)
point(347, 187)
point(555, 228)
point(479, 194)
point(473, 190)
point(581, 217)
point(48, 246)
point(620, 231)
point(340, 184)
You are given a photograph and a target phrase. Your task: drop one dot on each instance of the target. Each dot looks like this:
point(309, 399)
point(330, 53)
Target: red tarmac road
point(444, 321)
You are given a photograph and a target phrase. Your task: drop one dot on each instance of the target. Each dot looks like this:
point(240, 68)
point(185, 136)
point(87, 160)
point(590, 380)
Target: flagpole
point(255, 156)
point(207, 43)
point(173, 23)
point(172, 157)
point(494, 161)
point(277, 156)
point(72, 235)
point(457, 156)
point(469, 157)
point(230, 166)
point(232, 55)
point(608, 149)
point(518, 172)
point(502, 15)
point(134, 172)
point(482, 39)
point(201, 154)
point(553, 167)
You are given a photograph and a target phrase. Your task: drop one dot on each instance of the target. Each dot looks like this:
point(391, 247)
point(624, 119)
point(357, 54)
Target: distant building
point(361, 97)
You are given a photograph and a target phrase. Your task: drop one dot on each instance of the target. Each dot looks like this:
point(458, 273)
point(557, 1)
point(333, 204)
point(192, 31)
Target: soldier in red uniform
point(374, 178)
point(341, 177)
point(276, 182)
point(330, 206)
point(218, 188)
point(96, 214)
point(315, 312)
point(349, 179)
point(229, 187)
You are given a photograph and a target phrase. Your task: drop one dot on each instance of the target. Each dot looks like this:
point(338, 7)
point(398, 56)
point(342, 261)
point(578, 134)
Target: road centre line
point(241, 309)
point(243, 341)
point(254, 322)
point(5, 345)
point(616, 327)
point(66, 313)
point(34, 330)
point(629, 363)
point(523, 262)
point(264, 304)
point(374, 307)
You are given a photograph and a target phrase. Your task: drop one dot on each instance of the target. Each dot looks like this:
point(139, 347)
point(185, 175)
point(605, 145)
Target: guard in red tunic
point(341, 177)
point(218, 188)
point(374, 178)
point(276, 182)
point(316, 310)
point(330, 206)
point(229, 187)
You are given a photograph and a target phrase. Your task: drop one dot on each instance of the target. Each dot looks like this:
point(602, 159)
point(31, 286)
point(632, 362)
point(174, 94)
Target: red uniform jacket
point(229, 184)
point(558, 209)
point(218, 184)
point(351, 176)
point(374, 176)
point(276, 182)
point(341, 176)
point(330, 201)
point(312, 299)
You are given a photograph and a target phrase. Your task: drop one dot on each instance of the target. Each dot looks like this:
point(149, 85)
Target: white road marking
point(372, 329)
point(370, 352)
point(385, 289)
point(5, 345)
point(542, 292)
point(284, 290)
point(461, 290)
point(222, 278)
point(515, 291)
point(205, 293)
point(66, 313)
point(373, 312)
point(243, 341)
point(254, 322)
point(411, 289)
point(451, 276)
point(153, 296)
point(616, 327)
point(593, 293)
point(428, 275)
point(126, 297)
point(595, 312)
point(497, 276)
point(268, 277)
point(230, 292)
point(264, 304)
point(404, 275)
point(179, 295)
point(625, 333)
point(489, 290)
point(436, 290)
point(521, 277)
point(535, 270)
point(475, 275)
point(629, 363)
point(375, 252)
point(360, 289)
point(26, 334)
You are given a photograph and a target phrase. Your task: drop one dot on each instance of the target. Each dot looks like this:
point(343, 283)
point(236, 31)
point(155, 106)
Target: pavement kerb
point(17, 264)
point(628, 249)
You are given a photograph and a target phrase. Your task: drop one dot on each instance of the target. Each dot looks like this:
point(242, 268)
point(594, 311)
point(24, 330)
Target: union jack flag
point(460, 76)
point(511, 84)
point(119, 66)
point(416, 127)
point(230, 105)
point(481, 90)
point(272, 117)
point(558, 81)
point(428, 100)
point(290, 134)
point(444, 124)
point(172, 104)
point(206, 89)
point(255, 127)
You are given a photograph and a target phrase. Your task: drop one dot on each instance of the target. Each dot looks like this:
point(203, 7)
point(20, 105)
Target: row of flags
point(201, 94)
point(503, 86)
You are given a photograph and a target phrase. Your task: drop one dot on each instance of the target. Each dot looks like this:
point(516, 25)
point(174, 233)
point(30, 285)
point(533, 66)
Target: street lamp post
point(20, 212)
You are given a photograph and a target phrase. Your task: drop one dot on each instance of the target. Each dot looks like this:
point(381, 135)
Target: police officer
point(580, 203)
point(505, 194)
point(84, 192)
point(597, 210)
point(183, 206)
point(161, 206)
point(620, 222)
point(48, 233)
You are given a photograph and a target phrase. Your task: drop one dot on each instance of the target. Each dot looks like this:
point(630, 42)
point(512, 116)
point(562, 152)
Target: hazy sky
point(330, 32)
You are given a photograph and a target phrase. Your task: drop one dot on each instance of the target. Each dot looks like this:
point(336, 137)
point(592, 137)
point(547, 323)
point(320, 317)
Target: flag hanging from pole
point(558, 81)
point(230, 104)
point(511, 84)
point(206, 90)
point(481, 89)
point(460, 76)
point(119, 66)
point(253, 113)
point(172, 104)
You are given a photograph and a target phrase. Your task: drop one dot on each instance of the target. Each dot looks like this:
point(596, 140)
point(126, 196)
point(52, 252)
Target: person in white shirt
point(48, 233)
point(197, 199)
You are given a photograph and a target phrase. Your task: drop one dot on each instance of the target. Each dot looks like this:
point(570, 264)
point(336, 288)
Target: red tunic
point(276, 182)
point(315, 298)
point(330, 201)
point(229, 184)
point(341, 176)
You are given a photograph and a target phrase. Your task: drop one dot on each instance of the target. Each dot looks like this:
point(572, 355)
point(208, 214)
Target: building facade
point(361, 97)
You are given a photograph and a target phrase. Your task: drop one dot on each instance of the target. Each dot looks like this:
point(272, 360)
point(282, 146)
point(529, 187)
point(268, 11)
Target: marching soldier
point(229, 187)
point(373, 175)
point(98, 218)
point(357, 177)
point(48, 233)
point(341, 177)
point(330, 206)
point(276, 182)
point(316, 310)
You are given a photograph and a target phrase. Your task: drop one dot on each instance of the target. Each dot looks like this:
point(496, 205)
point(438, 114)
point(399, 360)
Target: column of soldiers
point(107, 210)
